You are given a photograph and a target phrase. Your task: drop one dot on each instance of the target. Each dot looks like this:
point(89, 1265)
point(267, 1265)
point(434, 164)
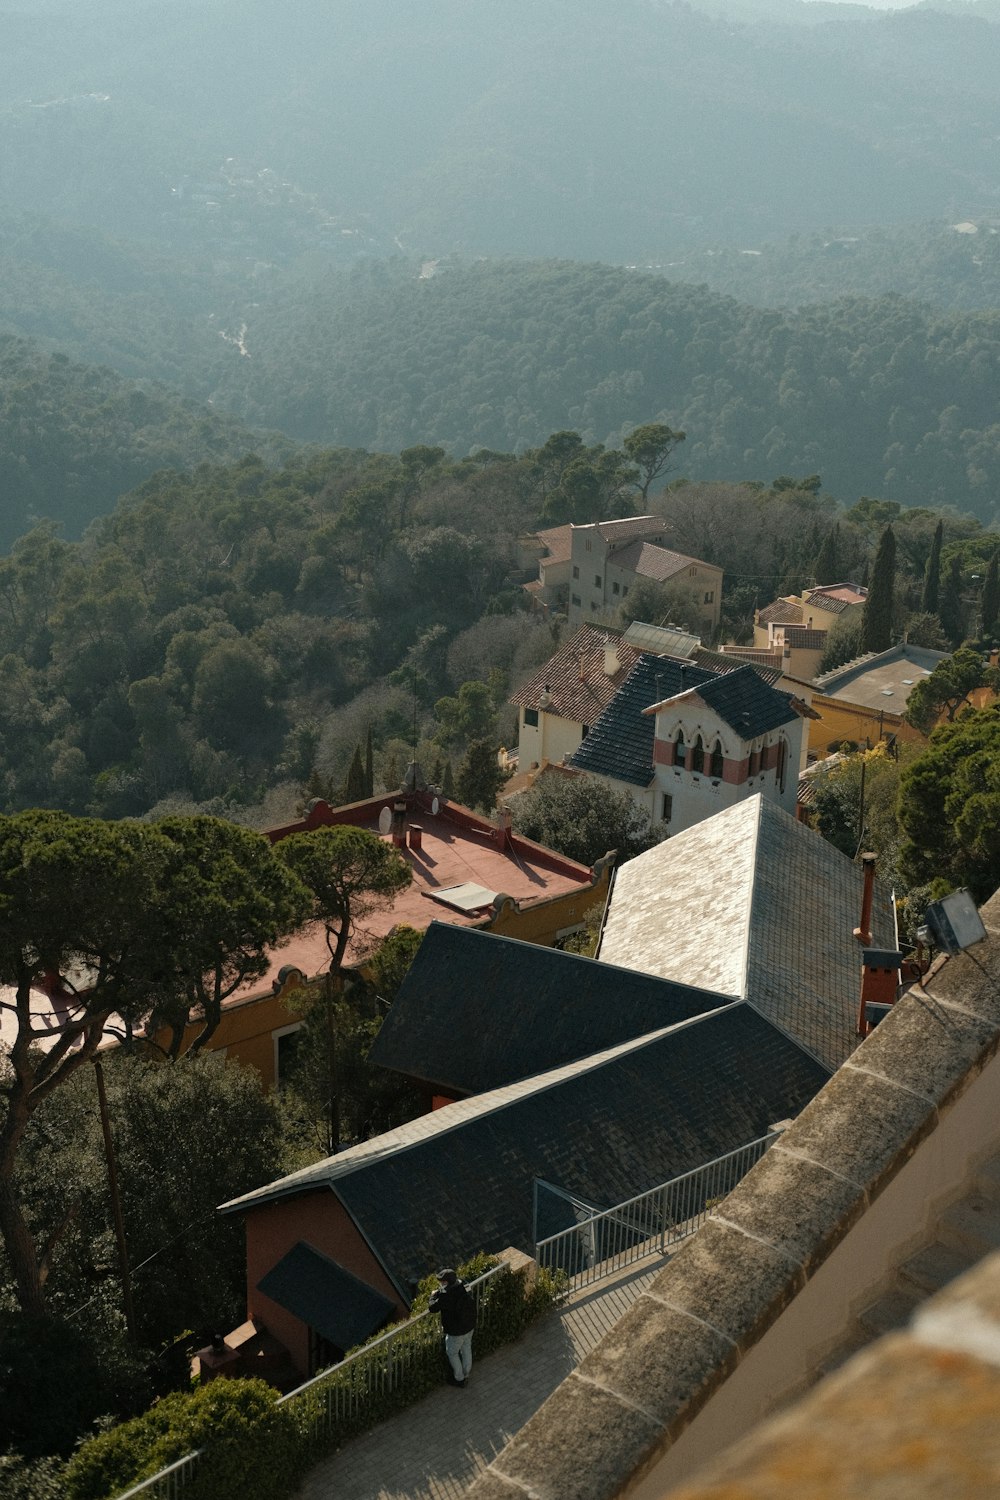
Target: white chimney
point(611, 662)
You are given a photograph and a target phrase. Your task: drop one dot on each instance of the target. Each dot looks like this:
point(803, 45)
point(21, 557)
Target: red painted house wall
point(321, 1220)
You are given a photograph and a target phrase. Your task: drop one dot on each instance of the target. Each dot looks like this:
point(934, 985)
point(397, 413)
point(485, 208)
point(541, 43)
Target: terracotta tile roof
point(719, 661)
point(754, 656)
point(558, 542)
point(630, 526)
point(579, 687)
point(844, 593)
point(650, 561)
point(802, 638)
point(781, 612)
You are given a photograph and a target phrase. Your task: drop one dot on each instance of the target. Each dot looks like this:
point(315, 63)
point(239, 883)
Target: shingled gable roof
point(617, 532)
point(620, 742)
point(782, 611)
point(579, 687)
point(722, 661)
point(760, 907)
point(741, 699)
point(477, 1011)
point(461, 1179)
point(650, 561)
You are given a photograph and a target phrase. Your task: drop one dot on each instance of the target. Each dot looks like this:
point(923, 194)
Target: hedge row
point(252, 1448)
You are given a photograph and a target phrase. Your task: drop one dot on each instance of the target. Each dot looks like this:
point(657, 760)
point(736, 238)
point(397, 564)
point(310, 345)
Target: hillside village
point(730, 974)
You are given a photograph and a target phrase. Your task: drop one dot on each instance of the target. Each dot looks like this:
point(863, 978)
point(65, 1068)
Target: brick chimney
point(398, 826)
point(879, 986)
point(863, 933)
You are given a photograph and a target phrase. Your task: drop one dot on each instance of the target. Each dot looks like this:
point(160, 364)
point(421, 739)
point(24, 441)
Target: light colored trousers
point(458, 1347)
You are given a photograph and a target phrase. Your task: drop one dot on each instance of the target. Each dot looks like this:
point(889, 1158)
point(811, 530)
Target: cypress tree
point(932, 575)
point(876, 627)
point(448, 780)
point(951, 612)
point(391, 774)
point(369, 765)
point(991, 595)
point(355, 788)
point(827, 565)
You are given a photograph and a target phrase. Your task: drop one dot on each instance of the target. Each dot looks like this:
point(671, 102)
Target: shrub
point(252, 1446)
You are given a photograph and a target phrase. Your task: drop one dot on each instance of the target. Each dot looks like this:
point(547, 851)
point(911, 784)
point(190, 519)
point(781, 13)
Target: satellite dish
point(385, 820)
point(435, 805)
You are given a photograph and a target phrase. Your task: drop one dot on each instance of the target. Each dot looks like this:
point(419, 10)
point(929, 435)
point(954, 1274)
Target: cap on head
point(447, 1276)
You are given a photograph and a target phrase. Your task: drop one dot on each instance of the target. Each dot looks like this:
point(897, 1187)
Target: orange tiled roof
point(781, 612)
point(579, 687)
point(650, 561)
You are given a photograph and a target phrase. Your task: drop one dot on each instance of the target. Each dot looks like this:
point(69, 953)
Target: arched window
point(782, 763)
point(754, 763)
point(715, 767)
point(698, 755)
point(680, 749)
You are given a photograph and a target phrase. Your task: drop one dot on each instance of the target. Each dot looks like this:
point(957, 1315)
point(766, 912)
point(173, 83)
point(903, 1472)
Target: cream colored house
point(607, 559)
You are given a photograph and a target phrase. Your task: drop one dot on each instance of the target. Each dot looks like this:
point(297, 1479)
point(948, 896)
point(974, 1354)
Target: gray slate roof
point(477, 1011)
point(620, 742)
point(744, 701)
point(461, 1180)
point(753, 904)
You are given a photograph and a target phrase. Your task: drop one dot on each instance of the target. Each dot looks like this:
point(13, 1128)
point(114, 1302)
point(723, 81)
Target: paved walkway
point(434, 1449)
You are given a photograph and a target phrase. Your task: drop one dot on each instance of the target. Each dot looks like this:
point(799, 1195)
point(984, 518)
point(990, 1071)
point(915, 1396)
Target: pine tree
point(951, 611)
point(827, 566)
point(932, 575)
point(369, 765)
point(391, 776)
point(354, 791)
point(479, 776)
point(876, 628)
point(991, 595)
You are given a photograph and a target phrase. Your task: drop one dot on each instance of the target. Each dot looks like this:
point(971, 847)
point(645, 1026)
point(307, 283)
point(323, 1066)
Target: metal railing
point(600, 1244)
point(344, 1397)
point(170, 1483)
point(350, 1396)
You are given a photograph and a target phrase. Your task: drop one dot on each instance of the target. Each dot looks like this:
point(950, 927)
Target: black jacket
point(457, 1307)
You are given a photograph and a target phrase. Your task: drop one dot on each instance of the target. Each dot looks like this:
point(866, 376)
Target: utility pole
point(116, 1203)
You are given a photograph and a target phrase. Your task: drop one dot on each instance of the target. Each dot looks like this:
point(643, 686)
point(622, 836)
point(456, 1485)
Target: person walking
point(457, 1307)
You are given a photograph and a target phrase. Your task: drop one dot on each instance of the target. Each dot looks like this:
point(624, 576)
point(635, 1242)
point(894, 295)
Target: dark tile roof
point(579, 687)
point(748, 704)
point(620, 742)
point(461, 1180)
point(323, 1294)
point(478, 1011)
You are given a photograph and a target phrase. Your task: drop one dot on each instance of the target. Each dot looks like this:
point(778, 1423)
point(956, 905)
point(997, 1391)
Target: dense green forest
point(949, 267)
point(882, 397)
point(74, 437)
point(236, 632)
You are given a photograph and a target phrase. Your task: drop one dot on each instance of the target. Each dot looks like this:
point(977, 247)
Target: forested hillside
point(881, 397)
point(623, 130)
point(73, 438)
point(241, 628)
point(952, 267)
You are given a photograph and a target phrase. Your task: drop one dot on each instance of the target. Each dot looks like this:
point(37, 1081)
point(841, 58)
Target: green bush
point(31, 1479)
point(252, 1447)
